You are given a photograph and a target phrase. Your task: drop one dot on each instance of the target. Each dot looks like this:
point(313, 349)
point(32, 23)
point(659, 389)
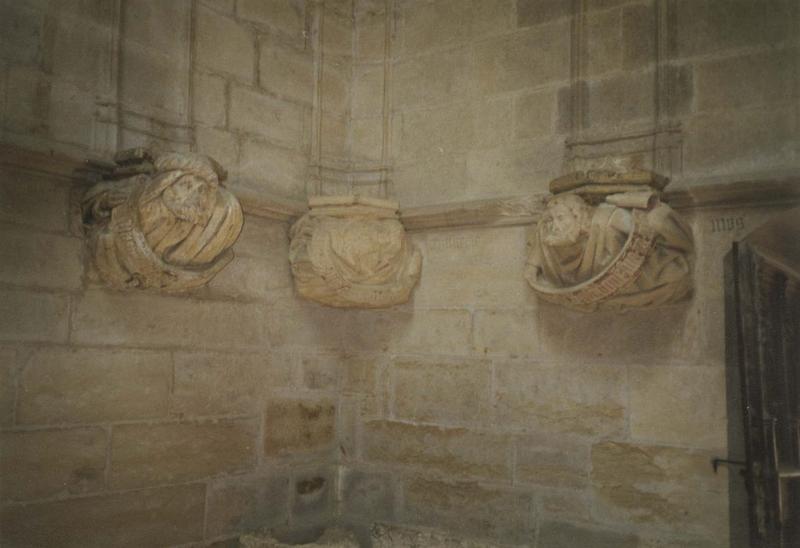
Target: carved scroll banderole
point(623, 270)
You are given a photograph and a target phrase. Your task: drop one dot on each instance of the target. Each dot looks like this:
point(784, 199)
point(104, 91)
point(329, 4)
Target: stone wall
point(136, 419)
point(497, 97)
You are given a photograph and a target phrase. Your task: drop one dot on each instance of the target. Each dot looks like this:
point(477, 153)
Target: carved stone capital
point(353, 252)
point(161, 221)
point(605, 240)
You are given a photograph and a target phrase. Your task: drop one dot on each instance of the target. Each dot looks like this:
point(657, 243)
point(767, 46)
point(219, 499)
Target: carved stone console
point(161, 221)
point(605, 240)
point(353, 252)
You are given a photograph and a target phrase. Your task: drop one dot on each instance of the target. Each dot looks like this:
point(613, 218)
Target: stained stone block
point(535, 12)
point(209, 106)
point(657, 486)
point(21, 30)
point(638, 36)
point(144, 455)
point(659, 410)
point(169, 515)
point(471, 509)
point(585, 400)
point(297, 426)
point(284, 15)
point(528, 58)
point(448, 391)
point(211, 383)
point(367, 497)
point(8, 390)
point(396, 536)
point(511, 332)
point(93, 386)
point(271, 118)
point(451, 451)
point(33, 200)
point(225, 46)
point(619, 100)
point(426, 26)
point(552, 461)
point(40, 260)
point(47, 463)
point(28, 316)
point(312, 501)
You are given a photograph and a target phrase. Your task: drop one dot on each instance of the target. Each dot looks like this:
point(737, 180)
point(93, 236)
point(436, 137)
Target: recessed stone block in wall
point(170, 226)
point(61, 385)
point(353, 252)
point(47, 463)
point(145, 454)
point(169, 515)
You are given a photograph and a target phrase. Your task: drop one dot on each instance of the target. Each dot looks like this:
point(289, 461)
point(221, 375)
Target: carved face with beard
point(567, 218)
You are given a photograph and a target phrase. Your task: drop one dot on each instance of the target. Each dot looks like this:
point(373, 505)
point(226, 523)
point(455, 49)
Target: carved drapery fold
point(606, 240)
point(161, 221)
point(353, 252)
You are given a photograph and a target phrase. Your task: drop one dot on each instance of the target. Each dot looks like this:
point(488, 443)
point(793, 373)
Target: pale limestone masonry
point(141, 419)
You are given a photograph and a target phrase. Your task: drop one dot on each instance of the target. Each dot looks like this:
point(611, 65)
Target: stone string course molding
point(606, 240)
point(353, 252)
point(161, 221)
point(755, 190)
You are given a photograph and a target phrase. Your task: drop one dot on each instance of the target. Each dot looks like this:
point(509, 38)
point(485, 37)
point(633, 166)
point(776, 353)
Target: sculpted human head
point(566, 218)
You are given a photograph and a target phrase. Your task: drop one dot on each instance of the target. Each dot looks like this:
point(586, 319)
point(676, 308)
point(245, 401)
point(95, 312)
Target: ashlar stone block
point(225, 46)
point(297, 426)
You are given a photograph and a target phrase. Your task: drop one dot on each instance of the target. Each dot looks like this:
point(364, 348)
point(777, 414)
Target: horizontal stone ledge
point(747, 190)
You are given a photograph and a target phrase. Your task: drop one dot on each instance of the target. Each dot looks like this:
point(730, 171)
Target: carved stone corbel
point(605, 240)
point(161, 221)
point(353, 252)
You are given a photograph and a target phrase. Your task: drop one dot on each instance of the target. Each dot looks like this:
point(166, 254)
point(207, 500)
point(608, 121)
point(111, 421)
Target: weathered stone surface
point(587, 399)
point(431, 79)
point(566, 535)
point(396, 536)
point(331, 538)
point(286, 72)
point(169, 515)
point(366, 139)
point(535, 12)
point(27, 316)
point(171, 229)
point(321, 371)
point(447, 391)
point(443, 130)
point(659, 486)
point(638, 36)
point(66, 385)
point(286, 16)
point(209, 107)
point(352, 252)
point(313, 497)
point(33, 200)
point(154, 82)
point(512, 332)
point(470, 509)
point(367, 91)
point(143, 455)
point(157, 321)
point(659, 410)
point(425, 26)
point(298, 426)
point(733, 82)
point(603, 42)
point(29, 91)
point(273, 169)
point(534, 114)
point(527, 58)
point(367, 497)
point(47, 463)
point(618, 100)
point(553, 461)
point(246, 504)
point(450, 451)
point(225, 46)
point(8, 385)
point(21, 31)
point(40, 260)
point(458, 263)
point(216, 383)
point(423, 331)
point(223, 144)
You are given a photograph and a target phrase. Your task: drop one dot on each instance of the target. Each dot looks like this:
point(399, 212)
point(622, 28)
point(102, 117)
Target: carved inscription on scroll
point(606, 240)
point(161, 221)
point(353, 252)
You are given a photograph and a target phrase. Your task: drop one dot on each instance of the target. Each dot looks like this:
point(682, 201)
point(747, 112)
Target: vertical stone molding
point(606, 240)
point(352, 252)
point(161, 221)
